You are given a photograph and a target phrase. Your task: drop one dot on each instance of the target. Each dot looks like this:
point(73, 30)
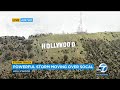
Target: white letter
point(73, 44)
point(54, 45)
point(69, 66)
point(64, 44)
point(43, 46)
point(51, 45)
point(57, 44)
point(48, 45)
point(60, 45)
point(68, 44)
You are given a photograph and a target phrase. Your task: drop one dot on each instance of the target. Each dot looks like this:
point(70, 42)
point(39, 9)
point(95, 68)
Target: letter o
point(48, 45)
point(68, 44)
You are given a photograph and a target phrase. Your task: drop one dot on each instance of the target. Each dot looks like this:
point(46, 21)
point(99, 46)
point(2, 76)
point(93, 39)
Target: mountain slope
point(93, 48)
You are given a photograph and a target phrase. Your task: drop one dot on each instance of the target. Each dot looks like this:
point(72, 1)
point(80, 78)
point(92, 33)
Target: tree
point(30, 55)
point(23, 55)
point(0, 52)
point(20, 38)
point(1, 40)
point(29, 47)
point(65, 57)
point(10, 47)
point(7, 56)
point(5, 47)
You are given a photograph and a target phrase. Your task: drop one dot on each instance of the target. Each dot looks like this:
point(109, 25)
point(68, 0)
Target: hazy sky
point(57, 22)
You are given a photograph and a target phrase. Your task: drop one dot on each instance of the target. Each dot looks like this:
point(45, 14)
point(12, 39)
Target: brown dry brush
point(104, 52)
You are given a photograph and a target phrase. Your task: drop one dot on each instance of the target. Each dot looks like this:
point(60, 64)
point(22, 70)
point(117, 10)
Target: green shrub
point(31, 55)
point(0, 52)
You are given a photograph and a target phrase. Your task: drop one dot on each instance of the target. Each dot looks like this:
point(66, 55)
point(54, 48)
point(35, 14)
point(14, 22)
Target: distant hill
point(93, 48)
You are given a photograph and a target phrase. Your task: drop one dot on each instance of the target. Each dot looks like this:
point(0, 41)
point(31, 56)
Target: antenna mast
point(80, 28)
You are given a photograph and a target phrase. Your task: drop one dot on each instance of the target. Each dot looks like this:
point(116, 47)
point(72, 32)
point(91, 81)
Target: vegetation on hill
point(93, 48)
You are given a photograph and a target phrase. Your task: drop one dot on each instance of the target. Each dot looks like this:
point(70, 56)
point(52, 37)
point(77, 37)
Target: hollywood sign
point(58, 45)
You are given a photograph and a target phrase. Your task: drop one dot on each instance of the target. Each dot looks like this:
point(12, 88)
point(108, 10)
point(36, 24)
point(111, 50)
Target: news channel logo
point(102, 68)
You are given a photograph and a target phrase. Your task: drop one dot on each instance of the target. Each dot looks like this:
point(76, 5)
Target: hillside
point(93, 48)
